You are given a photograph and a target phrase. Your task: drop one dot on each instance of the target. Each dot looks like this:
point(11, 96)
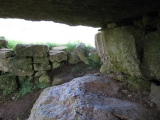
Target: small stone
point(39, 73)
point(13, 98)
point(125, 91)
point(57, 56)
point(73, 57)
point(44, 79)
point(55, 65)
point(59, 48)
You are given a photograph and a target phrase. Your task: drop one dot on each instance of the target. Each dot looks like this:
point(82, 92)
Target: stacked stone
point(8, 81)
point(34, 61)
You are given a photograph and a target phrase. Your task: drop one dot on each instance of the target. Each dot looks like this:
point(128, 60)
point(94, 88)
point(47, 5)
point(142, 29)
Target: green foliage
point(94, 64)
point(12, 44)
point(28, 85)
point(6, 92)
point(71, 46)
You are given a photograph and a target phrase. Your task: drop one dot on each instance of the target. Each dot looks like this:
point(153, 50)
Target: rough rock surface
point(86, 98)
point(117, 48)
point(5, 53)
point(44, 61)
point(44, 78)
point(151, 58)
point(31, 50)
point(3, 42)
point(56, 65)
point(57, 56)
point(154, 95)
point(4, 64)
point(77, 12)
point(41, 67)
point(82, 53)
point(73, 57)
point(21, 66)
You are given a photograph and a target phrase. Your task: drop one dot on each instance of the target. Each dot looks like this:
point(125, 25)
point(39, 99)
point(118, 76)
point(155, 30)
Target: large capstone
point(76, 12)
point(86, 98)
point(117, 49)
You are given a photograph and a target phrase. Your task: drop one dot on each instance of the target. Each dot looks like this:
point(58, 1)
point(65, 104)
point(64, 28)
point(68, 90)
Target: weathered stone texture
point(44, 61)
point(40, 67)
point(154, 95)
point(44, 78)
point(56, 65)
point(31, 50)
point(5, 53)
point(76, 12)
point(73, 57)
point(57, 56)
point(117, 48)
point(86, 98)
point(4, 64)
point(3, 42)
point(100, 44)
point(21, 66)
point(82, 53)
point(151, 57)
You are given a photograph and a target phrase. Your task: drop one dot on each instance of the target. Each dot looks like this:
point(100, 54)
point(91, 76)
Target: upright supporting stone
point(151, 59)
point(117, 49)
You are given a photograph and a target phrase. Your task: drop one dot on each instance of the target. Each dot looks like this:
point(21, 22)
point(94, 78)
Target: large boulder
point(23, 50)
point(21, 66)
point(86, 98)
point(151, 57)
point(118, 48)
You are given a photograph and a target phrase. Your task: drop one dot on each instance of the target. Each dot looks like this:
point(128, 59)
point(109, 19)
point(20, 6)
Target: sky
point(45, 31)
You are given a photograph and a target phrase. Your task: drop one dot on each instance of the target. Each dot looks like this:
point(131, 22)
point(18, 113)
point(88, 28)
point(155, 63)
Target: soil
point(19, 109)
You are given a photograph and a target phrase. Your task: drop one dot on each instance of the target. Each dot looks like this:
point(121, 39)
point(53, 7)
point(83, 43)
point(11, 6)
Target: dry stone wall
point(34, 61)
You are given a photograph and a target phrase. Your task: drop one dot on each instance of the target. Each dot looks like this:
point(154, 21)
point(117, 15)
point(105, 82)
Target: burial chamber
point(128, 42)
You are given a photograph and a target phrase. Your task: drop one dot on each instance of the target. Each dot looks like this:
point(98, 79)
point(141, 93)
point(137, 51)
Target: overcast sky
point(42, 31)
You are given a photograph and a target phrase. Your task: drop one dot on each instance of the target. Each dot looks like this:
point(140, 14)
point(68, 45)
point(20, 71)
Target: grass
point(70, 46)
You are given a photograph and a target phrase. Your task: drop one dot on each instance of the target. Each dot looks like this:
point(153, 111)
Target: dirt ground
point(12, 109)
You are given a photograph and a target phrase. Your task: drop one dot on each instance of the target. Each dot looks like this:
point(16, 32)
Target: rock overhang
point(96, 13)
